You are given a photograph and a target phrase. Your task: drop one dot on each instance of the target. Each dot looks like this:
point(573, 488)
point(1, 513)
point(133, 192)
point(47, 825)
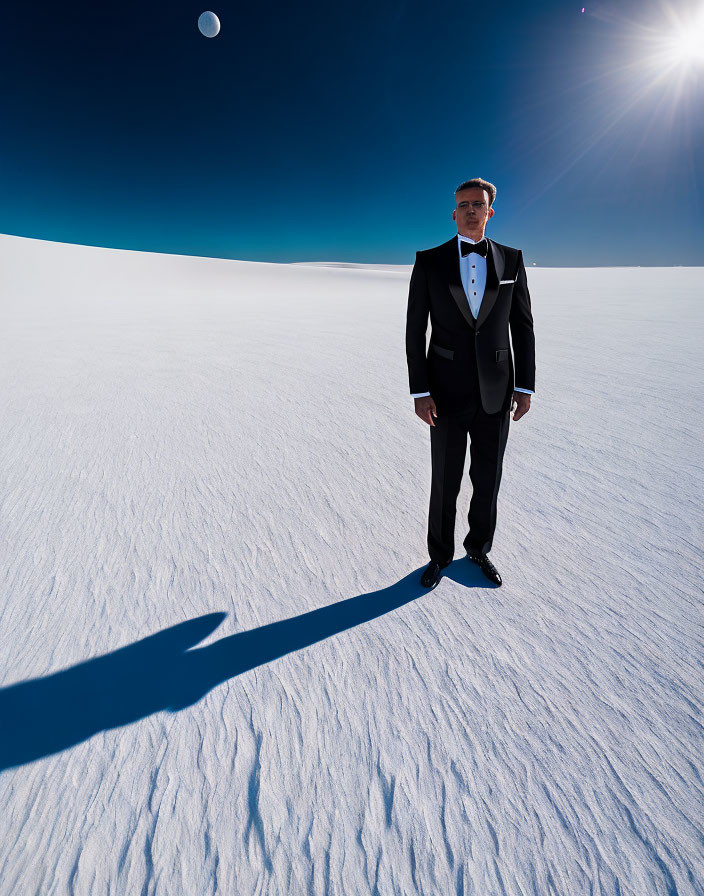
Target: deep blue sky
point(329, 131)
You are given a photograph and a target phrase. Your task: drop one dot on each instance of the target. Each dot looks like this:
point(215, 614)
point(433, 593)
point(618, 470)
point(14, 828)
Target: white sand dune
point(219, 671)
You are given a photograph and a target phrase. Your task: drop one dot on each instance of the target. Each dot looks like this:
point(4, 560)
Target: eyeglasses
point(477, 206)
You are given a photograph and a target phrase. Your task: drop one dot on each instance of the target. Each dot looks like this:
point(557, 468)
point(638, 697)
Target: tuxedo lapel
point(495, 263)
point(454, 280)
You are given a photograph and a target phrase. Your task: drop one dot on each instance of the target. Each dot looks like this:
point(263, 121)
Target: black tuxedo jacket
point(467, 360)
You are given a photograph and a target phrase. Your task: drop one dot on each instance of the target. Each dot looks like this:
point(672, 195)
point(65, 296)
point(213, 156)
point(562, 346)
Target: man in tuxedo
point(474, 290)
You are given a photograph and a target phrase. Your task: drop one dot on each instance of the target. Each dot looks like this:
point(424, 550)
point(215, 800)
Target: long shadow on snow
point(45, 715)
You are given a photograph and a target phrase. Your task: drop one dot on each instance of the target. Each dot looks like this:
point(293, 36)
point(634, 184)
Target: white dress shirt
point(473, 273)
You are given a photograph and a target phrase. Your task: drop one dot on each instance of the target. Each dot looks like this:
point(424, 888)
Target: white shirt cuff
point(529, 391)
point(419, 394)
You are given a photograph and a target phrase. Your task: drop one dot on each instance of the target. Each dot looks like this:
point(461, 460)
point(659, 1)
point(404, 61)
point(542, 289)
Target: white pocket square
point(506, 281)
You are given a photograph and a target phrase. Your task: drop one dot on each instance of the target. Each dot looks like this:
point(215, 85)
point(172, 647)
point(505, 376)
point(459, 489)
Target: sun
point(685, 45)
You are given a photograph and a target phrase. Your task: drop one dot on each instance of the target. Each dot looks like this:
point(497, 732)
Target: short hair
point(482, 185)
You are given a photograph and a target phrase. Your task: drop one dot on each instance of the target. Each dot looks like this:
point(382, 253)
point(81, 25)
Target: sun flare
point(686, 43)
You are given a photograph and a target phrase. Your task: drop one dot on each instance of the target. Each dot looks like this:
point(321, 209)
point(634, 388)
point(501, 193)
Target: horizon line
point(321, 263)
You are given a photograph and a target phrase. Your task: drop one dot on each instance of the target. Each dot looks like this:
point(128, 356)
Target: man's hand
point(425, 408)
point(522, 400)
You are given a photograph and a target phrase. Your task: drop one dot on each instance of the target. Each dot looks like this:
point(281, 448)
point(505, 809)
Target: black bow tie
point(480, 248)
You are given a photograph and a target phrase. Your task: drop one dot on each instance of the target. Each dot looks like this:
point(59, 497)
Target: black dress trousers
point(488, 434)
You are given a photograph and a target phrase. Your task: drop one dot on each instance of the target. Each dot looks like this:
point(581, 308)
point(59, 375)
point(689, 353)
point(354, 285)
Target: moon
point(208, 24)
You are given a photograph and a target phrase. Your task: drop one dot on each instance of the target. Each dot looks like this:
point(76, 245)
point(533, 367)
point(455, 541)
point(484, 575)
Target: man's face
point(472, 212)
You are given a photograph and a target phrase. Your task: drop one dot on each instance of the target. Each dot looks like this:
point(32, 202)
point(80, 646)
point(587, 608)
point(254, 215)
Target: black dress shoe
point(486, 566)
point(432, 574)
